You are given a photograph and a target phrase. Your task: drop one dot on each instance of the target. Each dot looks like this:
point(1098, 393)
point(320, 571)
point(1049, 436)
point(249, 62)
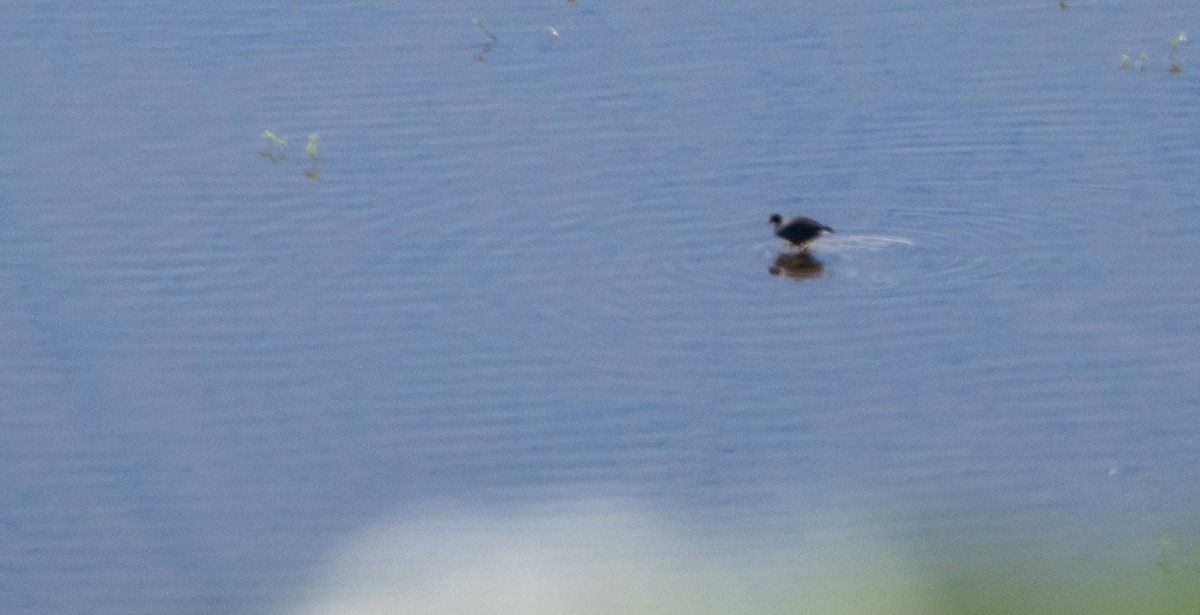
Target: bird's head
point(775, 220)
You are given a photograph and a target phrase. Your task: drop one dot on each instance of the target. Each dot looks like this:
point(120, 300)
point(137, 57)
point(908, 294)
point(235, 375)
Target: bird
point(798, 231)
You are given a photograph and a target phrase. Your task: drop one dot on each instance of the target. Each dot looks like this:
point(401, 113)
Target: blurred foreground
point(599, 558)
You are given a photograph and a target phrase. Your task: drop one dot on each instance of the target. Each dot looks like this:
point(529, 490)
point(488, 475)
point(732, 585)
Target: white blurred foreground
point(597, 558)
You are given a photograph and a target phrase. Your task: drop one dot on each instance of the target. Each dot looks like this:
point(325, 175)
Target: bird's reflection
point(798, 266)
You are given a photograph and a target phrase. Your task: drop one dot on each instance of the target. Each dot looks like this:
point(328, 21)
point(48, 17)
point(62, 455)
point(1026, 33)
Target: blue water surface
point(528, 266)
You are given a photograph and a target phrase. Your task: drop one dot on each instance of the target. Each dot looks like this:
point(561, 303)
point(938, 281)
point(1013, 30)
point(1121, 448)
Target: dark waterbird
point(798, 231)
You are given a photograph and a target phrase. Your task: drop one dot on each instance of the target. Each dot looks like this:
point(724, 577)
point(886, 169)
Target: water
point(535, 273)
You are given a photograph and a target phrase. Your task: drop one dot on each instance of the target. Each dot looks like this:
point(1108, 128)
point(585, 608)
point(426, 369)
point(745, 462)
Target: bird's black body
point(798, 231)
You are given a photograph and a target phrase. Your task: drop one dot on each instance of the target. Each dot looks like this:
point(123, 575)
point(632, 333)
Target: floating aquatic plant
point(1176, 41)
point(1142, 57)
point(1176, 562)
point(311, 149)
point(274, 151)
point(273, 138)
point(487, 48)
point(1166, 551)
point(482, 25)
